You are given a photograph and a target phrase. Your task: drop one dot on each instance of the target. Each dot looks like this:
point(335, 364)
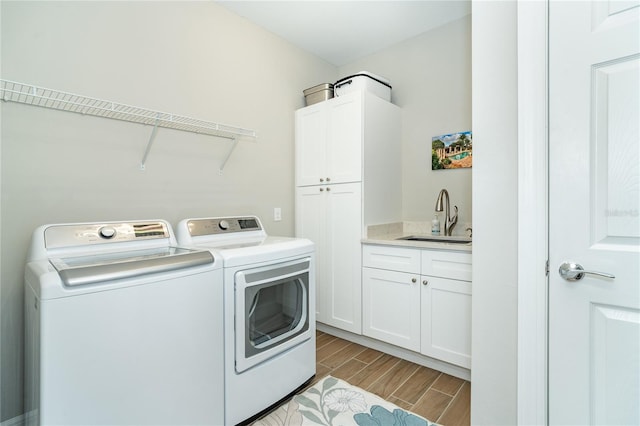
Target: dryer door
point(272, 311)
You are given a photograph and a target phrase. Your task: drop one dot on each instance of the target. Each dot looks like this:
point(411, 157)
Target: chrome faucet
point(449, 222)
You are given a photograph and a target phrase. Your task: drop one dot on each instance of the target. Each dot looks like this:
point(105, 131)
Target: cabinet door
point(344, 140)
point(331, 217)
point(343, 250)
point(311, 224)
point(391, 307)
point(311, 129)
point(446, 320)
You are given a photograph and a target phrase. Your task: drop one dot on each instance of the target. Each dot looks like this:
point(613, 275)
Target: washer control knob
point(224, 225)
point(107, 232)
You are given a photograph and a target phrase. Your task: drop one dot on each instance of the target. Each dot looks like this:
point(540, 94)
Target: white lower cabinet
point(446, 320)
point(419, 299)
point(391, 307)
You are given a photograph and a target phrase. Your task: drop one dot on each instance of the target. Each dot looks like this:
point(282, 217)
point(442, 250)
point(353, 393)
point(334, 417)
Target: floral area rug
point(335, 402)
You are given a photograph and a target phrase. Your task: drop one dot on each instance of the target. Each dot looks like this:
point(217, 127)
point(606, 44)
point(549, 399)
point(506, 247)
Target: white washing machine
point(122, 327)
point(269, 301)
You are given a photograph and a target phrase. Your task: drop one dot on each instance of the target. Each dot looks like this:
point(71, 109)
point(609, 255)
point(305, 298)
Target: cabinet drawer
point(446, 264)
point(391, 258)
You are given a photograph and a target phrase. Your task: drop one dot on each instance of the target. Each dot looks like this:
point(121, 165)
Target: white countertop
point(389, 235)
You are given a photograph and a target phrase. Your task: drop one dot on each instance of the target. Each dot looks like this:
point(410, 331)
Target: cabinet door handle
point(413, 280)
point(321, 180)
point(328, 189)
point(321, 189)
point(328, 180)
point(425, 282)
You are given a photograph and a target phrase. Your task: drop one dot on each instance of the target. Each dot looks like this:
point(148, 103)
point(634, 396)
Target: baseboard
point(16, 421)
point(445, 367)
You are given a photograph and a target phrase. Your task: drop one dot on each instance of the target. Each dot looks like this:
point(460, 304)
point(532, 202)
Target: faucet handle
point(453, 220)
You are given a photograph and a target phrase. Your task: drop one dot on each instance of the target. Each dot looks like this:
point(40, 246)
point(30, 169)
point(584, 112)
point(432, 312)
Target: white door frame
point(532, 28)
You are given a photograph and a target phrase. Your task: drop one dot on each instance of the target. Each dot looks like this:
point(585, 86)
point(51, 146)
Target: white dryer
point(122, 327)
point(269, 301)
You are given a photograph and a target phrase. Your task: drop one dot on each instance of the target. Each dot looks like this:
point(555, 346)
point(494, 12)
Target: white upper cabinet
point(329, 138)
point(344, 142)
point(311, 152)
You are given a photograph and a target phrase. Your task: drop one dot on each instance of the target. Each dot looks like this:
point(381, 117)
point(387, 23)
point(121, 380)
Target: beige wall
point(188, 58)
point(431, 79)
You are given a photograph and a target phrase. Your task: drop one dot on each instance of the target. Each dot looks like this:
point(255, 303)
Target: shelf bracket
point(234, 142)
point(151, 139)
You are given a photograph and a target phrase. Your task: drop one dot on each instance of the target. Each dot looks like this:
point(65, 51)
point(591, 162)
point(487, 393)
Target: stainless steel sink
point(433, 239)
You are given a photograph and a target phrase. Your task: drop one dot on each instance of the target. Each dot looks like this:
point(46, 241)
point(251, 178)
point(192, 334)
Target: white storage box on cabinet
point(363, 80)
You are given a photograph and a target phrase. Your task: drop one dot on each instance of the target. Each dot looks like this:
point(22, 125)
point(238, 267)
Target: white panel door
point(329, 138)
point(331, 217)
point(311, 224)
point(345, 139)
point(594, 205)
point(391, 307)
point(311, 140)
point(343, 249)
point(446, 320)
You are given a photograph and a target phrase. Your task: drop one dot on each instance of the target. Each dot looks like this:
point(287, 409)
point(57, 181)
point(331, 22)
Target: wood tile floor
point(434, 395)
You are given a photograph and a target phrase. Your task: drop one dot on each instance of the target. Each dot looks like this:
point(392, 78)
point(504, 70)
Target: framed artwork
point(452, 151)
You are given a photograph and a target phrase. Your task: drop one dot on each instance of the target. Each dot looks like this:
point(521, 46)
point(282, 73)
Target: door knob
point(571, 271)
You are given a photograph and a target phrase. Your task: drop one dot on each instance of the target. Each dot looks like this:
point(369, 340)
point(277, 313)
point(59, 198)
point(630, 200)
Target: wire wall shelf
point(13, 91)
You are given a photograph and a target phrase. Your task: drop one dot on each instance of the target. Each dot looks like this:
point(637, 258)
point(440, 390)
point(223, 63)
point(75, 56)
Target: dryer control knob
point(224, 225)
point(107, 232)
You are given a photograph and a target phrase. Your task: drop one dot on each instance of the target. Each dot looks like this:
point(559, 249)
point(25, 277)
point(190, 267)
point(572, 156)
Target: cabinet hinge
point(546, 268)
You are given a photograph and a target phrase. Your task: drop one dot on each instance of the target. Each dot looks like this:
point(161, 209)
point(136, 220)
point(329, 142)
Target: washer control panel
point(97, 233)
point(223, 225)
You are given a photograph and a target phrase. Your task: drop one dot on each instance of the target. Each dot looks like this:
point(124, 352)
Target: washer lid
point(81, 270)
